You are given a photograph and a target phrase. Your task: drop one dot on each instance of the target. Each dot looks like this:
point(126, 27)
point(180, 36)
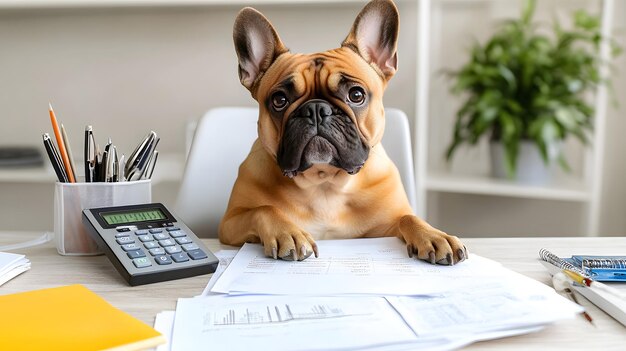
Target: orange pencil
point(61, 145)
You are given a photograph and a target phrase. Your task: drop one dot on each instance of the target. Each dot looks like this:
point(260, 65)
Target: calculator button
point(123, 230)
point(150, 244)
point(125, 240)
point(189, 247)
point(172, 229)
point(119, 235)
point(145, 238)
point(162, 259)
point(141, 232)
point(142, 262)
point(180, 257)
point(172, 249)
point(161, 236)
point(156, 230)
point(136, 253)
point(183, 240)
point(157, 251)
point(196, 254)
point(130, 247)
point(177, 234)
point(167, 242)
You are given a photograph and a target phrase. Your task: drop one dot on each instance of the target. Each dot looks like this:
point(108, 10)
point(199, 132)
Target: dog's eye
point(356, 95)
point(279, 100)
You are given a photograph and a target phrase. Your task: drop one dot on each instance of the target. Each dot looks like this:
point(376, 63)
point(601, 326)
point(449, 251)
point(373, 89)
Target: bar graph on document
point(258, 314)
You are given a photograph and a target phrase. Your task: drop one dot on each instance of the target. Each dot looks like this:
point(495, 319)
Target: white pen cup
point(70, 199)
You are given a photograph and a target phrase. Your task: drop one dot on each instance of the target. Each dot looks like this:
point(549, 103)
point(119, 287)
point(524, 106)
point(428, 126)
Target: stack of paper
point(12, 265)
point(360, 294)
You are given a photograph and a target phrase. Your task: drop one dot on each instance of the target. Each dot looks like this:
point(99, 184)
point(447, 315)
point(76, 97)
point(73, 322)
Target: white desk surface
point(49, 269)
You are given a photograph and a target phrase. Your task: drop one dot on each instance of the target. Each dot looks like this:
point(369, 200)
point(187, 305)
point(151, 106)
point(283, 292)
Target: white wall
point(129, 70)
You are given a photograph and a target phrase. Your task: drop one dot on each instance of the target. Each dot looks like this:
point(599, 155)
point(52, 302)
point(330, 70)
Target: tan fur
point(287, 215)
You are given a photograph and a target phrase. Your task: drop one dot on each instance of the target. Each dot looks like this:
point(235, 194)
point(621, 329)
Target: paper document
point(287, 323)
point(377, 266)
point(224, 257)
point(12, 265)
point(164, 324)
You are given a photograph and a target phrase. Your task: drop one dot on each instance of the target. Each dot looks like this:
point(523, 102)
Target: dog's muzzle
point(317, 132)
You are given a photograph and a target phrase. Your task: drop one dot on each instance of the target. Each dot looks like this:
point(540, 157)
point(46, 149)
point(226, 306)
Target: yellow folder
point(70, 318)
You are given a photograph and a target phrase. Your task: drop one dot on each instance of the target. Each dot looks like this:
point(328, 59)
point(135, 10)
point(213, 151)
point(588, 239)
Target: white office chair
point(222, 141)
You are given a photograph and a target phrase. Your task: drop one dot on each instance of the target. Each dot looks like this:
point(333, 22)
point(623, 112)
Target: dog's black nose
point(315, 110)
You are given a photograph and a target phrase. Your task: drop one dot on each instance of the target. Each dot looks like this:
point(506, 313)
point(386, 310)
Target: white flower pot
point(530, 166)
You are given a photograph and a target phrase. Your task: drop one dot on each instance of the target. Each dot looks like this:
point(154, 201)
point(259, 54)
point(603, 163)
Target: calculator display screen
point(134, 216)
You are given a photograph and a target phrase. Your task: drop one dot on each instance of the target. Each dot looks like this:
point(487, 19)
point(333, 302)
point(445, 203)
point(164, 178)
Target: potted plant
point(527, 91)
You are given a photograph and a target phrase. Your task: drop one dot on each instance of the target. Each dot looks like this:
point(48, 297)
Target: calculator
point(147, 244)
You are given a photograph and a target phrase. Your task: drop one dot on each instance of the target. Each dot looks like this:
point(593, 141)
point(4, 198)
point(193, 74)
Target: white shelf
point(47, 4)
point(566, 189)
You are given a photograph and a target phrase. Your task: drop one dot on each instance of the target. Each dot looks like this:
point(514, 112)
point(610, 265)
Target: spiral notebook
point(600, 268)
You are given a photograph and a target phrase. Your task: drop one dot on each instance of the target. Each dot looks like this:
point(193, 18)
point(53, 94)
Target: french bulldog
point(318, 169)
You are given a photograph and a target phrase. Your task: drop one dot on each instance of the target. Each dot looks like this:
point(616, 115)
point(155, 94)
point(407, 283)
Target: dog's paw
point(289, 245)
point(436, 247)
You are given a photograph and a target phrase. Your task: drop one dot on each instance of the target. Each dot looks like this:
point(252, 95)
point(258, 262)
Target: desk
point(520, 254)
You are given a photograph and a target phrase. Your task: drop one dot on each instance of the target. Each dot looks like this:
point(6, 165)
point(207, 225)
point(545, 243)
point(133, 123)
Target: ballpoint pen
point(89, 154)
point(55, 159)
point(120, 169)
point(151, 165)
point(584, 281)
point(106, 154)
point(561, 283)
point(133, 158)
point(142, 167)
point(62, 150)
point(112, 177)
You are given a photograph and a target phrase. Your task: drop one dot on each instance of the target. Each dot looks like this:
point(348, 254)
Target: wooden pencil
point(61, 145)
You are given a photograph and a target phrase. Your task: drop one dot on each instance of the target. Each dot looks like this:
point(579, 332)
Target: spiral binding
point(558, 262)
point(604, 263)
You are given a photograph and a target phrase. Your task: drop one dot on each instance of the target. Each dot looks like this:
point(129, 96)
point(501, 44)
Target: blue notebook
point(601, 268)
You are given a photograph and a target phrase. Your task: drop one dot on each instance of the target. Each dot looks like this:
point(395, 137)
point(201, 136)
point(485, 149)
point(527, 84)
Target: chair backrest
point(222, 141)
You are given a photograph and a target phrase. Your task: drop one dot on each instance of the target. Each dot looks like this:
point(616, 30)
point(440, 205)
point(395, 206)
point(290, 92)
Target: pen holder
point(70, 199)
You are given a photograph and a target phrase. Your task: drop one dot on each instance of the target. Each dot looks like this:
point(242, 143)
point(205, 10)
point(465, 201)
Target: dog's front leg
point(280, 237)
point(428, 243)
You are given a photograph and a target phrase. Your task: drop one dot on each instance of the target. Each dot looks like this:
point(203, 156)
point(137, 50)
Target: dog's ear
point(374, 36)
point(257, 45)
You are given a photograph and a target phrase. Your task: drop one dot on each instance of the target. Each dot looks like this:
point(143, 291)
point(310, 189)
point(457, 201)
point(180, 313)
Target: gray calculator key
point(125, 240)
point(136, 253)
point(119, 235)
point(130, 247)
point(142, 262)
point(161, 236)
point(167, 242)
point(150, 244)
point(173, 249)
point(189, 247)
point(141, 232)
point(156, 230)
point(180, 257)
point(157, 251)
point(196, 254)
point(177, 234)
point(162, 259)
point(171, 229)
point(183, 240)
point(145, 237)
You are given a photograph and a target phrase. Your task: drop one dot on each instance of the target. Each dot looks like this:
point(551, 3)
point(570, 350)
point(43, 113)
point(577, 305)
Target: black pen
point(55, 159)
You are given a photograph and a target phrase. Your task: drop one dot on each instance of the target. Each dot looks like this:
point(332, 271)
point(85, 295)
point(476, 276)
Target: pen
point(114, 162)
point(62, 150)
point(120, 169)
point(89, 154)
point(54, 158)
point(151, 165)
point(136, 164)
point(562, 284)
point(593, 284)
point(70, 154)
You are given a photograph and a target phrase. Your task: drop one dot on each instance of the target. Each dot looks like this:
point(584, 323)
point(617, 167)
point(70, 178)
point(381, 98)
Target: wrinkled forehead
point(320, 73)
